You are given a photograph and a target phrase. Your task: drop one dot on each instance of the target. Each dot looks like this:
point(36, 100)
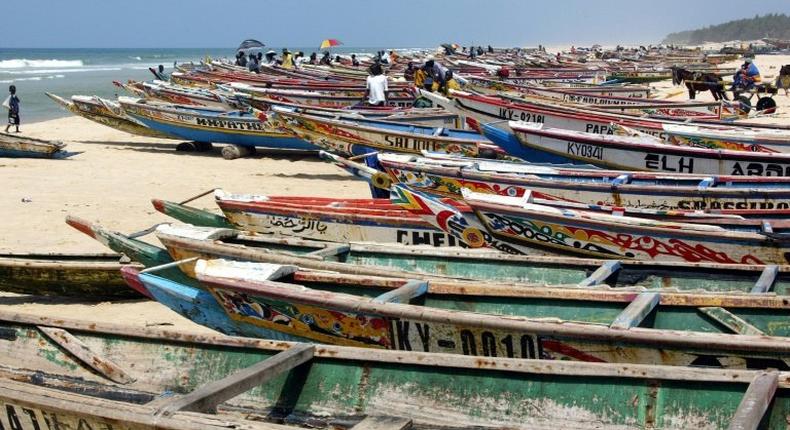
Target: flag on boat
point(328, 43)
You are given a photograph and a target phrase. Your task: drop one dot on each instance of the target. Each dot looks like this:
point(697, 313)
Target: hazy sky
point(358, 23)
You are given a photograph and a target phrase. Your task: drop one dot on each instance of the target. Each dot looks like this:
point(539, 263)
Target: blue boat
point(239, 128)
point(198, 305)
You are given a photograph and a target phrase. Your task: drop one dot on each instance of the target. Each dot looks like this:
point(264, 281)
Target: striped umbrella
point(328, 43)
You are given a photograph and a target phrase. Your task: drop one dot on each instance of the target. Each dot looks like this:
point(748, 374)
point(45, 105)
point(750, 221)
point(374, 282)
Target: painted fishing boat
point(183, 95)
point(394, 389)
point(626, 102)
point(86, 276)
point(16, 146)
point(240, 128)
point(631, 91)
point(479, 110)
point(441, 266)
point(106, 112)
point(756, 140)
point(335, 220)
point(642, 153)
point(272, 297)
point(437, 174)
point(514, 224)
point(329, 98)
point(357, 137)
point(430, 117)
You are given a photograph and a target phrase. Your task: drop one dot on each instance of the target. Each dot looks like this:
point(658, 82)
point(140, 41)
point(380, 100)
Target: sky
point(358, 23)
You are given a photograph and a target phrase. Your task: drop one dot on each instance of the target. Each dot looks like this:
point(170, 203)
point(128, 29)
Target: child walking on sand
point(12, 104)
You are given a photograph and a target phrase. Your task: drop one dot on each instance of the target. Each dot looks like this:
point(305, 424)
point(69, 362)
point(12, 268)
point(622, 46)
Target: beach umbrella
point(328, 43)
point(249, 45)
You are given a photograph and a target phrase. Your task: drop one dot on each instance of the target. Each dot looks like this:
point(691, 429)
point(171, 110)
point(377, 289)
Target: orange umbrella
point(328, 43)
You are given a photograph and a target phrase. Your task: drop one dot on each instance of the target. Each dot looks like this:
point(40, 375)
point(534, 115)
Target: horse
point(783, 81)
point(699, 81)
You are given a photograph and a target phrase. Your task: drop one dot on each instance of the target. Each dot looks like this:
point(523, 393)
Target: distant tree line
point(776, 26)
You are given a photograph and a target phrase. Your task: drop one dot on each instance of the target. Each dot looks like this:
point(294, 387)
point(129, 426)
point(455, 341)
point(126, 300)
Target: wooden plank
point(332, 352)
point(330, 251)
point(767, 279)
point(408, 291)
point(755, 401)
point(601, 274)
point(636, 311)
point(383, 423)
point(731, 321)
point(207, 397)
point(83, 353)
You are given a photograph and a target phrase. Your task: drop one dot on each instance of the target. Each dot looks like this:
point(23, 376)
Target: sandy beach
point(114, 177)
point(111, 182)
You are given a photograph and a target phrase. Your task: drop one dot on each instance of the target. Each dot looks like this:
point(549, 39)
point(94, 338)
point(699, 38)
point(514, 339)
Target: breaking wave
point(23, 63)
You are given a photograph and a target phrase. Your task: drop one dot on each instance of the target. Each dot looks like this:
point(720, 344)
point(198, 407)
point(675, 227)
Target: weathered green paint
point(513, 270)
point(328, 389)
point(88, 277)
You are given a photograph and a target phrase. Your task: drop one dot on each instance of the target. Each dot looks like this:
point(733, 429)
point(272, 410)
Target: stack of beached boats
point(552, 249)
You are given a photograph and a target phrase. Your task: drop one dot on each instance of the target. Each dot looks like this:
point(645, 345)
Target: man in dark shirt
point(13, 109)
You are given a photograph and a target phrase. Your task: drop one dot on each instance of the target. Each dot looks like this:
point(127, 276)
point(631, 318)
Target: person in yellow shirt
point(419, 77)
point(288, 59)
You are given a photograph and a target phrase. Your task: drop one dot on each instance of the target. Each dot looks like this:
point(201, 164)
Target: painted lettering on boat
point(16, 417)
point(229, 124)
point(297, 225)
point(584, 150)
point(699, 205)
point(422, 237)
point(669, 164)
point(511, 114)
point(421, 336)
point(405, 142)
point(606, 129)
point(760, 169)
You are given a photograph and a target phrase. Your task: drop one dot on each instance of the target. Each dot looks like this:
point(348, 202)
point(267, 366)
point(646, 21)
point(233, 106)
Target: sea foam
point(23, 63)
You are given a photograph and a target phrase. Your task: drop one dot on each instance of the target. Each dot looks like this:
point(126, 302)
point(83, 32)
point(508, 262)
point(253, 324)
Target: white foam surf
point(24, 63)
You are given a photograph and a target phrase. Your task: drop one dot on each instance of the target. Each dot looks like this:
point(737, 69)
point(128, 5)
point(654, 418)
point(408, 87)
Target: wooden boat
point(763, 196)
point(626, 101)
point(358, 137)
point(393, 389)
point(239, 128)
point(260, 298)
point(756, 140)
point(86, 276)
point(490, 114)
point(183, 95)
point(329, 98)
point(427, 117)
point(335, 220)
point(106, 112)
point(643, 153)
point(437, 265)
point(515, 224)
point(637, 92)
point(16, 146)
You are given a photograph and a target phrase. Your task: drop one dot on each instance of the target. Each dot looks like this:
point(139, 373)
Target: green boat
point(89, 277)
point(497, 266)
point(523, 308)
point(157, 378)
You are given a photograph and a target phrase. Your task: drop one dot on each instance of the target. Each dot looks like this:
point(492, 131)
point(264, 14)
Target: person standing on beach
point(376, 86)
point(288, 59)
point(13, 109)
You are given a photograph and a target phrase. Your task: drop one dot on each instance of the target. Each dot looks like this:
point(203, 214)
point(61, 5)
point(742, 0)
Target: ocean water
point(67, 72)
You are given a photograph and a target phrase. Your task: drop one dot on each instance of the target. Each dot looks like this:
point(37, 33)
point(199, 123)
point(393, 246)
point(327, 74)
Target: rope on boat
point(205, 193)
point(361, 156)
point(146, 231)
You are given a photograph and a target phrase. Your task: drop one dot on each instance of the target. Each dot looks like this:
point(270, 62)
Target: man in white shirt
point(376, 87)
